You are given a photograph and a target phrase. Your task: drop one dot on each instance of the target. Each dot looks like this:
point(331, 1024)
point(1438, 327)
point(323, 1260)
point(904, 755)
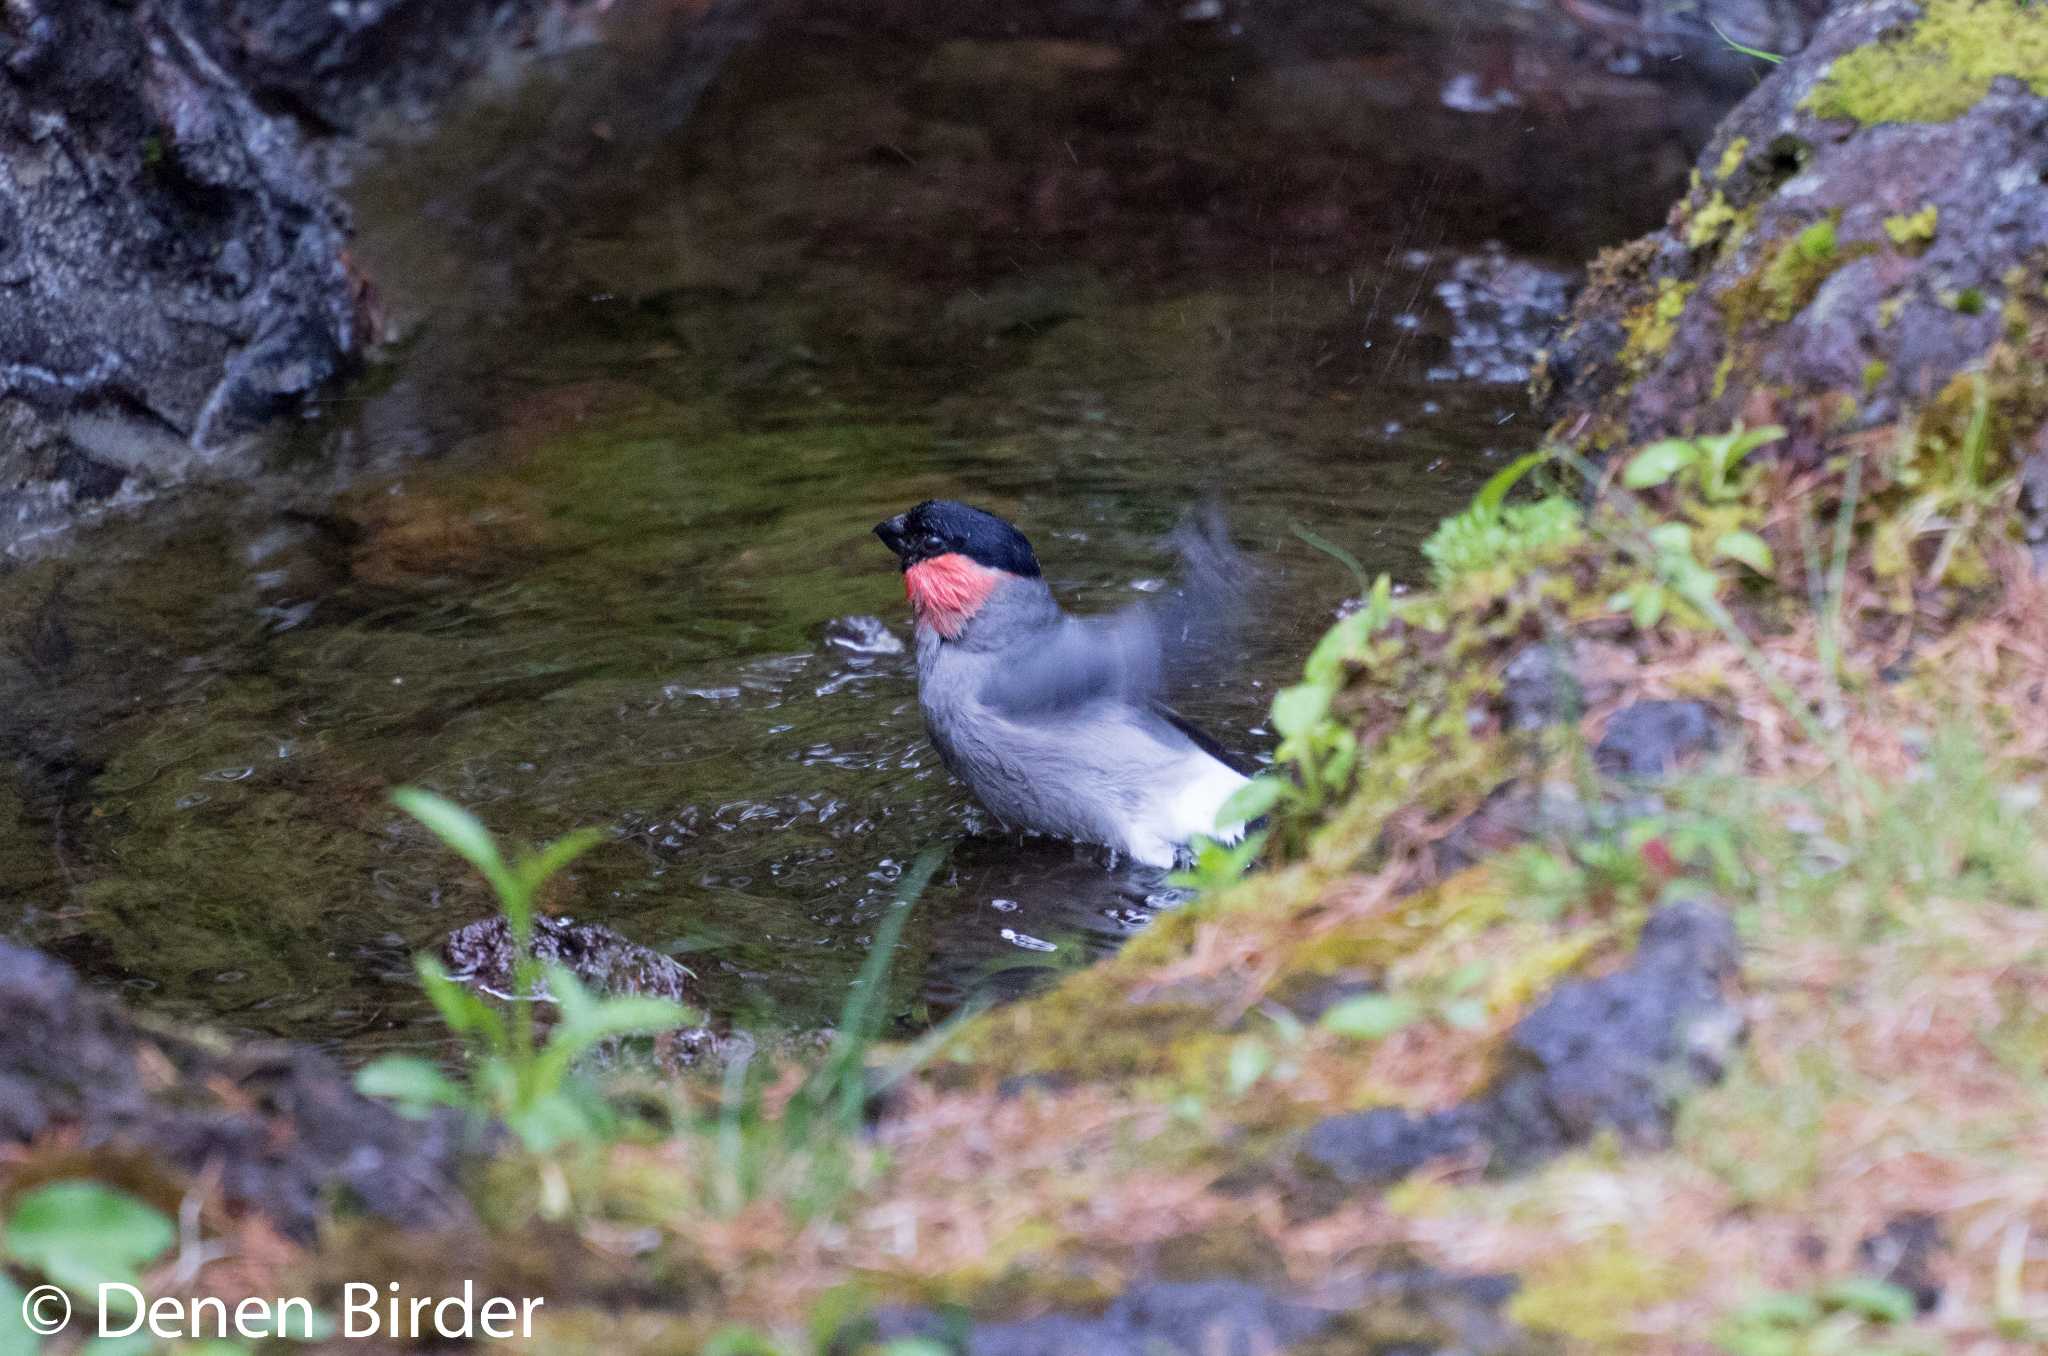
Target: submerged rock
point(283, 1126)
point(483, 953)
point(1503, 310)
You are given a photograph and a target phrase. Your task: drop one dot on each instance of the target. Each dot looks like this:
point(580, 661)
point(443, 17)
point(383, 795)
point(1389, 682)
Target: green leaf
point(1336, 553)
point(460, 831)
point(456, 827)
point(461, 1009)
point(1780, 1309)
point(1251, 800)
point(1250, 1061)
point(738, 1341)
point(1371, 1016)
point(1868, 1297)
point(415, 1084)
point(1658, 463)
point(1742, 442)
point(534, 871)
point(1466, 1014)
point(1774, 58)
point(81, 1233)
point(1299, 709)
point(1672, 539)
point(557, 1117)
point(1746, 547)
point(1494, 492)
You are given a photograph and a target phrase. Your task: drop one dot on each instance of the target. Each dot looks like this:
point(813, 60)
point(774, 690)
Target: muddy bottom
point(609, 502)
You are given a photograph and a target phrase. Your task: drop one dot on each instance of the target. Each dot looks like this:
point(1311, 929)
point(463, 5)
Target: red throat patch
point(946, 591)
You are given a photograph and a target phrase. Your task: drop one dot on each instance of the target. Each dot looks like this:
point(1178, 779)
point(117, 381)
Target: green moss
point(1914, 230)
point(1731, 158)
point(1722, 370)
point(1940, 67)
point(1788, 279)
point(1652, 325)
point(1592, 1295)
point(1712, 222)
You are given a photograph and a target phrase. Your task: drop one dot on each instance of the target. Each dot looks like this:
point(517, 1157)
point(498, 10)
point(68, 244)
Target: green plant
point(1850, 1315)
point(1493, 532)
point(1774, 58)
point(807, 1152)
point(1711, 465)
point(529, 1083)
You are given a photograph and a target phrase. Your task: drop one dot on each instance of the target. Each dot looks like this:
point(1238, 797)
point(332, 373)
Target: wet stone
point(1503, 310)
point(484, 954)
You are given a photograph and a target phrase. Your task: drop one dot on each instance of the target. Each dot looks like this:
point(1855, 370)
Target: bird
point(1056, 722)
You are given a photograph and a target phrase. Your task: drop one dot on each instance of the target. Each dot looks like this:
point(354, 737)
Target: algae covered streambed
point(603, 503)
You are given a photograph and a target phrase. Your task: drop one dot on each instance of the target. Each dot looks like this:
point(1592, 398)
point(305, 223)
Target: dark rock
point(173, 254)
point(1403, 1308)
point(2033, 505)
point(1188, 1318)
point(1612, 1053)
point(1386, 1144)
point(1651, 738)
point(1932, 268)
point(283, 1126)
point(1547, 683)
point(1907, 1253)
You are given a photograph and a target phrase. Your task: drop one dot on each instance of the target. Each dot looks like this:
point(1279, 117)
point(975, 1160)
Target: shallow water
point(614, 489)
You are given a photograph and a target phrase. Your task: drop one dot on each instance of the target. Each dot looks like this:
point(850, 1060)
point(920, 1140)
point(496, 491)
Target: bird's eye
point(935, 544)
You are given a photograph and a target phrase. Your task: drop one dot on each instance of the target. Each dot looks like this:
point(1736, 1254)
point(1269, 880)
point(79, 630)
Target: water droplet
point(230, 774)
point(1026, 941)
point(196, 799)
point(1003, 905)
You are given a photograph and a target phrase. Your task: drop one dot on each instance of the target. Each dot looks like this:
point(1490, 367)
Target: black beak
point(892, 533)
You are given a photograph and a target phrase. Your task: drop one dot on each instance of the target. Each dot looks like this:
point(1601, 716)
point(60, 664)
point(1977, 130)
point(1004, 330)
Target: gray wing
point(1076, 662)
point(1135, 654)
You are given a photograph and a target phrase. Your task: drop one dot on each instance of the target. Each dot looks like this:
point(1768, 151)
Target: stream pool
point(600, 512)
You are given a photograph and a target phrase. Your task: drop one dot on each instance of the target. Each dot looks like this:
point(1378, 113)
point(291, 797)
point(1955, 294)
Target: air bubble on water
point(193, 801)
point(230, 774)
point(1003, 905)
point(1026, 941)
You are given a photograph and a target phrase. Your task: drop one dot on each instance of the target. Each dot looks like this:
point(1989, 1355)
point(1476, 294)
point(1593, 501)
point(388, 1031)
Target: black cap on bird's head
point(940, 527)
